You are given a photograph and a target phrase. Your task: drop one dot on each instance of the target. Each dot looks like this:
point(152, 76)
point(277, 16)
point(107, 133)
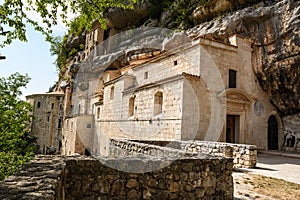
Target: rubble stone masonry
point(204, 177)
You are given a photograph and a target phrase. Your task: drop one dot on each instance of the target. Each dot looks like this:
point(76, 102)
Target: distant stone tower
point(47, 121)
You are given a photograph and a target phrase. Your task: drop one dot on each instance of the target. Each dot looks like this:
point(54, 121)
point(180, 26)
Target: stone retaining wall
point(81, 177)
point(244, 156)
point(191, 178)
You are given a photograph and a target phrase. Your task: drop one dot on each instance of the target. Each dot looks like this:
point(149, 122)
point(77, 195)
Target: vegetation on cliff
point(16, 143)
point(15, 15)
point(178, 14)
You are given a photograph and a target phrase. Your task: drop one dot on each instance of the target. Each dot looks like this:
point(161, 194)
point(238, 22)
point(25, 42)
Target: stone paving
point(279, 165)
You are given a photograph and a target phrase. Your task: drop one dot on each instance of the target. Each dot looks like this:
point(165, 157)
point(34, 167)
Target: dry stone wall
point(190, 178)
point(81, 177)
point(39, 179)
point(130, 148)
point(244, 156)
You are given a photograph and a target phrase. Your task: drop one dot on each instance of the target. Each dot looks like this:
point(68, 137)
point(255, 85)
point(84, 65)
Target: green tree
point(16, 143)
point(15, 15)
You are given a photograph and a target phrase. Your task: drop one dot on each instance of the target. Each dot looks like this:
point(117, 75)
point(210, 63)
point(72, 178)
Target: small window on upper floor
point(158, 101)
point(38, 104)
point(146, 75)
point(112, 92)
point(175, 62)
point(52, 106)
point(232, 78)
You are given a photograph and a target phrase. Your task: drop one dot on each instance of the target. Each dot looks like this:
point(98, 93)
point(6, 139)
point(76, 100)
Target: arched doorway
point(272, 133)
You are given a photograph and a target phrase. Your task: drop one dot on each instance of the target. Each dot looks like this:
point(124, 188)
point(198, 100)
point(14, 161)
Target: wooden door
point(230, 131)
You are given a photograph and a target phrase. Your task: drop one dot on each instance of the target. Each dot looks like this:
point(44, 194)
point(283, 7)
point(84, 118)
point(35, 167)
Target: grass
point(275, 188)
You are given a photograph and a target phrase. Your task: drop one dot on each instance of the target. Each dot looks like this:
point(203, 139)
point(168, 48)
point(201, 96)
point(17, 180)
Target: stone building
point(205, 90)
point(47, 121)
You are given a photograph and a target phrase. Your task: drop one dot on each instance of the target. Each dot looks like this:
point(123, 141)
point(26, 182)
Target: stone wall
point(244, 156)
point(39, 179)
point(143, 123)
point(138, 149)
point(204, 177)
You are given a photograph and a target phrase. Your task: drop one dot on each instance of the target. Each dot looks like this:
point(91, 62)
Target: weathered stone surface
point(120, 18)
point(132, 183)
point(244, 156)
point(39, 179)
point(88, 178)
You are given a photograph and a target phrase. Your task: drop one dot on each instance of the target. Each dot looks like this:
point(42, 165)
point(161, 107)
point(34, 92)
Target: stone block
point(174, 187)
point(132, 183)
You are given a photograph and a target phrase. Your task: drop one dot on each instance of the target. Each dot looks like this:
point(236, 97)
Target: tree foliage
point(15, 14)
point(15, 140)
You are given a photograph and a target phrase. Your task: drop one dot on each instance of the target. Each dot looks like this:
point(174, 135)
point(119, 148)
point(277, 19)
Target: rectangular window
point(52, 106)
point(60, 123)
point(175, 62)
point(146, 75)
point(78, 109)
point(38, 104)
point(131, 106)
point(98, 113)
point(112, 92)
point(158, 101)
point(232, 78)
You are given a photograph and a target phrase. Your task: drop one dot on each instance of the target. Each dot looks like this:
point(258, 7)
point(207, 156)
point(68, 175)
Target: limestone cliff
point(275, 31)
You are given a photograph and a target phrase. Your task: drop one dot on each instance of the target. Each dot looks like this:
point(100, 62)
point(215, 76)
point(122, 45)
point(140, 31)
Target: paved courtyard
point(275, 166)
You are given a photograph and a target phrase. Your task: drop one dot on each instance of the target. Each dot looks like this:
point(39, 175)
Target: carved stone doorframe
point(238, 103)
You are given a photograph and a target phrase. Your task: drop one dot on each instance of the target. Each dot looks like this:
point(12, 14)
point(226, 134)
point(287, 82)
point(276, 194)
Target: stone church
point(204, 90)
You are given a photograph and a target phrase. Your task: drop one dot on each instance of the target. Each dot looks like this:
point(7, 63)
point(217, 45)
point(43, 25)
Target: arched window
point(112, 92)
point(131, 106)
point(158, 100)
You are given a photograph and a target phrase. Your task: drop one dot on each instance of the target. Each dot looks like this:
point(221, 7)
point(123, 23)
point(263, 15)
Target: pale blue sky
point(33, 58)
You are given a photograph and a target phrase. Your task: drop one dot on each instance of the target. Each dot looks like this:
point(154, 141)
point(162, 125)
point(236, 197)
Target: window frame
point(232, 78)
point(158, 103)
